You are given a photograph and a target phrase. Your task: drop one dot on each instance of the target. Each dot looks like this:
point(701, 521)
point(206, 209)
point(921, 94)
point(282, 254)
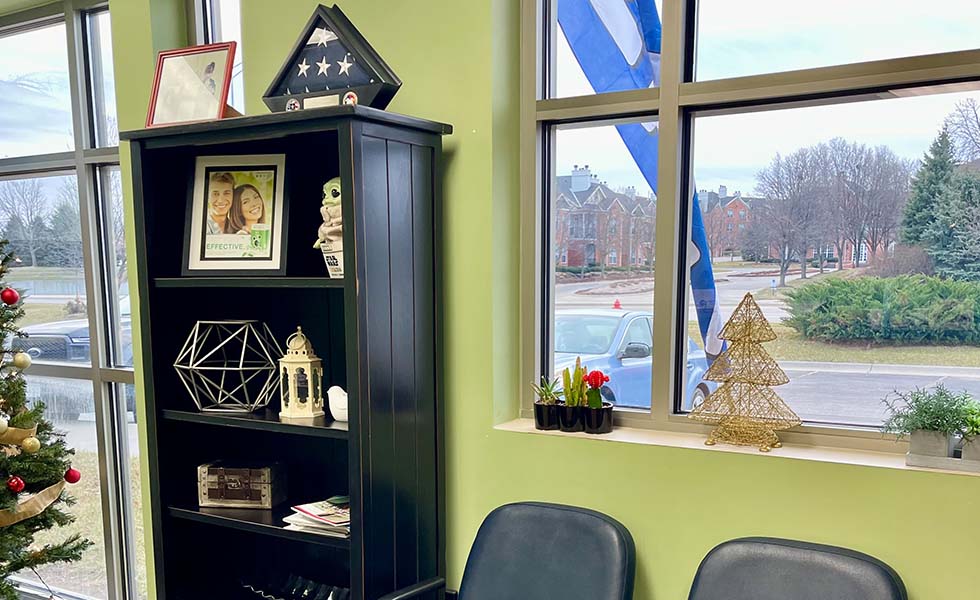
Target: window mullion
point(668, 227)
point(113, 509)
point(867, 80)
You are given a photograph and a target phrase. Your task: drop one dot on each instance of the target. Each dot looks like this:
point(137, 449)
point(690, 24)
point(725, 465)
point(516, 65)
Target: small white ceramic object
point(337, 398)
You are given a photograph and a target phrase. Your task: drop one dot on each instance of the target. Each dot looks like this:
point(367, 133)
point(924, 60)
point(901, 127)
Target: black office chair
point(774, 569)
point(537, 551)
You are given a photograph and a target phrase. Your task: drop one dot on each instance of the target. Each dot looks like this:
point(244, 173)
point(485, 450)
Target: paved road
point(731, 286)
point(834, 393)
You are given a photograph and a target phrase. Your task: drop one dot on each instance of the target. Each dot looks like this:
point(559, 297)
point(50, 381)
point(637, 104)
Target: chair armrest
point(413, 591)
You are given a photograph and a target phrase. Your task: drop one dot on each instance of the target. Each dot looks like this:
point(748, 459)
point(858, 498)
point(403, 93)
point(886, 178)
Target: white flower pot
point(337, 400)
point(930, 443)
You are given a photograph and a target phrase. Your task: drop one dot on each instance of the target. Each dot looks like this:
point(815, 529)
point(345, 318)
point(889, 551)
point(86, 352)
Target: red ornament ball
point(16, 484)
point(73, 475)
point(9, 296)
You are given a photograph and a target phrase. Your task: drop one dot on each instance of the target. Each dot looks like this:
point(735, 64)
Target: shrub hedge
point(908, 309)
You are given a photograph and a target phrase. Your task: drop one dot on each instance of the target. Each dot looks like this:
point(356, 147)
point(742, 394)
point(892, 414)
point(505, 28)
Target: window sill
point(695, 441)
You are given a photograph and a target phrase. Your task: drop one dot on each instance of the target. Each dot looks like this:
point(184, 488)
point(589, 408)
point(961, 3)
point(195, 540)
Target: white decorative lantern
point(301, 376)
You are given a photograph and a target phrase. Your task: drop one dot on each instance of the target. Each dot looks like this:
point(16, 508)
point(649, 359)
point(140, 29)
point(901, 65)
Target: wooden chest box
point(235, 485)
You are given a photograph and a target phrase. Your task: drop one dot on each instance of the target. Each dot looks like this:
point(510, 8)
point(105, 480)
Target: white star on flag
point(322, 66)
point(303, 68)
point(345, 66)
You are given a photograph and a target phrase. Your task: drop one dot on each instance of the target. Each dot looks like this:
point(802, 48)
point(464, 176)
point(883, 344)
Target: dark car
point(69, 340)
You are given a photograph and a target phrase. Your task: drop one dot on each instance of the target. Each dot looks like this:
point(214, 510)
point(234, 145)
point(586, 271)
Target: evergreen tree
point(34, 463)
point(953, 238)
point(66, 251)
point(934, 175)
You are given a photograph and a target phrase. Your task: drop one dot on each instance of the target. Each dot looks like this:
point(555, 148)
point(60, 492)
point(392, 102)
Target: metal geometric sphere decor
point(230, 366)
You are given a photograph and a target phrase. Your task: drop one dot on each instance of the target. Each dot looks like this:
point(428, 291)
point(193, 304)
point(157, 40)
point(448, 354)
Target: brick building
point(726, 217)
point(596, 226)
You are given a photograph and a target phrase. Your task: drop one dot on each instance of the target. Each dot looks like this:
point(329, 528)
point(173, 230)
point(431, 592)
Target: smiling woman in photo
point(248, 208)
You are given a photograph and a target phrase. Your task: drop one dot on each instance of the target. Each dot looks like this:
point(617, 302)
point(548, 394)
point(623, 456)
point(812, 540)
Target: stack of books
point(330, 517)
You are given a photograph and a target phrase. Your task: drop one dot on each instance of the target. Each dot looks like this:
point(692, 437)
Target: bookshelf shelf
point(248, 282)
point(265, 522)
point(264, 421)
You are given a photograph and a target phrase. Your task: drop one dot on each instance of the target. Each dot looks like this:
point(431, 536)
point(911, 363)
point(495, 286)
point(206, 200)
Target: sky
point(36, 118)
point(761, 36)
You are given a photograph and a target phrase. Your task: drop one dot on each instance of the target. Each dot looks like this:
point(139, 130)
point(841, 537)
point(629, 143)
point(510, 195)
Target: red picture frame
point(222, 95)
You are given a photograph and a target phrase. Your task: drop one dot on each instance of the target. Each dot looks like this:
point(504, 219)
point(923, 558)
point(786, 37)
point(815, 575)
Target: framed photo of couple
point(236, 216)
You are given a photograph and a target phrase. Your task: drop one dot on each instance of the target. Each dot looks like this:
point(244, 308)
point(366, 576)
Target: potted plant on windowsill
point(598, 413)
point(931, 419)
point(971, 434)
point(546, 406)
point(570, 413)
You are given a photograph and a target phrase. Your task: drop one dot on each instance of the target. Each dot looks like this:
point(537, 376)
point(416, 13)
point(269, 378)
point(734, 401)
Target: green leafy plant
point(548, 391)
point(972, 428)
point(932, 410)
point(574, 384)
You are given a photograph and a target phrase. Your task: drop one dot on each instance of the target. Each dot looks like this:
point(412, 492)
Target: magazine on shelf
point(329, 517)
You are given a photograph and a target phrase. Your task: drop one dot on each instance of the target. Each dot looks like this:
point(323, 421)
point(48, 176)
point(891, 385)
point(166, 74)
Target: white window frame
point(201, 18)
point(672, 105)
point(85, 161)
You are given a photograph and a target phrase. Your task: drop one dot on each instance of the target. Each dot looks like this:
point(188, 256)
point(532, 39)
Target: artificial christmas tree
point(743, 409)
point(35, 463)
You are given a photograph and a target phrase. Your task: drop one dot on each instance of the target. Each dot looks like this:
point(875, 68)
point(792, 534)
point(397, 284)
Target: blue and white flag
point(617, 44)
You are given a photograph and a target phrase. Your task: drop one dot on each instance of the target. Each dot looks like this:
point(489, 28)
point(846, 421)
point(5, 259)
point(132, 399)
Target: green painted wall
point(459, 61)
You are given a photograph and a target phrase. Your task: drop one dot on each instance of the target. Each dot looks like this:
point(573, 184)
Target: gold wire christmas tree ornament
point(743, 409)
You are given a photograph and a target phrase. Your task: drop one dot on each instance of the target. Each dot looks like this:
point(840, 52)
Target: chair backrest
point(537, 551)
point(774, 569)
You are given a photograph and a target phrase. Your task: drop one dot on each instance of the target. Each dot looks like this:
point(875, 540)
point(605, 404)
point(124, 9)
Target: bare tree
point(23, 207)
point(964, 127)
point(789, 213)
point(892, 179)
point(113, 204)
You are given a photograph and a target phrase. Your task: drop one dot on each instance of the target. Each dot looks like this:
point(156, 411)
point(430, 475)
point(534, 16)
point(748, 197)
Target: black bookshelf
point(376, 331)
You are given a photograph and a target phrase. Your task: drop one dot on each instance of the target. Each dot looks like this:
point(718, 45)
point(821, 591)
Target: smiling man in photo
point(221, 192)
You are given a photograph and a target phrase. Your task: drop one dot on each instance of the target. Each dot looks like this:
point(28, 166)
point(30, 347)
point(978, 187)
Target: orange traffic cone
point(617, 304)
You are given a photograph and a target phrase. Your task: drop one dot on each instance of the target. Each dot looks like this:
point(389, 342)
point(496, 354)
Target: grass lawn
point(88, 576)
point(36, 273)
point(791, 346)
point(812, 274)
point(42, 312)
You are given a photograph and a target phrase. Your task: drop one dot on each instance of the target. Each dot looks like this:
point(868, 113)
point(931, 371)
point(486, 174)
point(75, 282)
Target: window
point(35, 103)
point(585, 293)
point(62, 212)
point(221, 21)
point(769, 36)
point(613, 35)
point(823, 162)
point(844, 185)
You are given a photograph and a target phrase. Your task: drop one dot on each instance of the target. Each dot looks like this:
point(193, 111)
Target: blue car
point(619, 343)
